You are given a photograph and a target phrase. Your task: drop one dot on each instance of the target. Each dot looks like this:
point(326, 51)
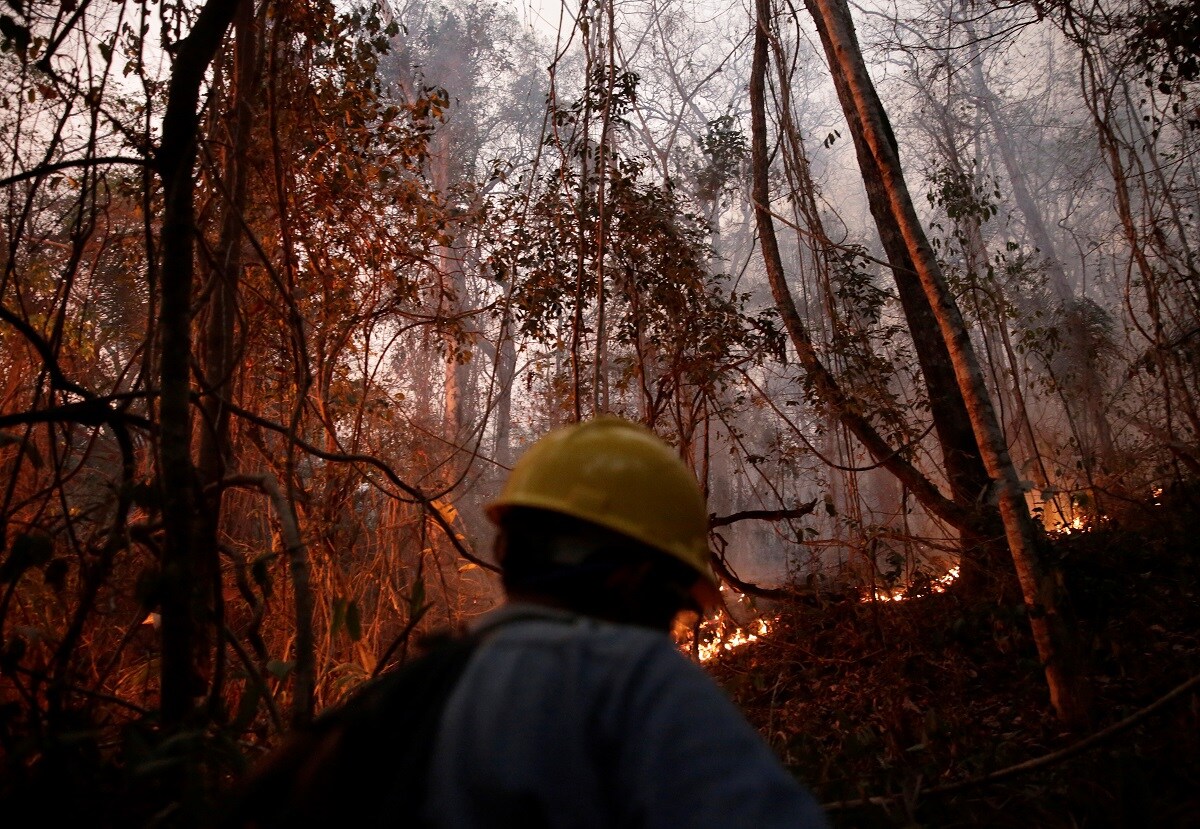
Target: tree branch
point(715, 521)
point(46, 169)
point(335, 457)
point(91, 412)
point(297, 553)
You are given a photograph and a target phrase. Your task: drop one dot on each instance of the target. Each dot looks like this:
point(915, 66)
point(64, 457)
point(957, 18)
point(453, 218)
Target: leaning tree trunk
point(1053, 636)
point(830, 396)
point(982, 562)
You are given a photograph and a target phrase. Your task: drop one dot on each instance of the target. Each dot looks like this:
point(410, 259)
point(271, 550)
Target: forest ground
point(892, 701)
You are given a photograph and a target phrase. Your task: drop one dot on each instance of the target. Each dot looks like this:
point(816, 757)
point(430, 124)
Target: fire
point(1080, 524)
point(723, 640)
point(1077, 525)
point(899, 594)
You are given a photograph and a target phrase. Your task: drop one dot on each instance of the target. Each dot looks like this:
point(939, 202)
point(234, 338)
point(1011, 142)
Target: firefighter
point(576, 710)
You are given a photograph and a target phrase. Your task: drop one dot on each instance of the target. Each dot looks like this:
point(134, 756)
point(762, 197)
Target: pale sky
point(543, 15)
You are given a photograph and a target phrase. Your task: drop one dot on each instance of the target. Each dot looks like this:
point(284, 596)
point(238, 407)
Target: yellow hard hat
point(623, 477)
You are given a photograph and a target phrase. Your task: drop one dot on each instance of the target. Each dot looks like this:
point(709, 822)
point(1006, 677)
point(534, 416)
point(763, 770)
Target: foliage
point(383, 220)
point(673, 321)
point(1162, 39)
point(724, 151)
point(867, 344)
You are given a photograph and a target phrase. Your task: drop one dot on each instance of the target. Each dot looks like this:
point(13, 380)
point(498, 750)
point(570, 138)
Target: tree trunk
point(506, 370)
point(982, 556)
point(215, 454)
point(183, 596)
point(1053, 636)
point(829, 393)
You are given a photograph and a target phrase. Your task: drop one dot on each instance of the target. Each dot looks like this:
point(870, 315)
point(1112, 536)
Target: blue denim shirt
point(566, 721)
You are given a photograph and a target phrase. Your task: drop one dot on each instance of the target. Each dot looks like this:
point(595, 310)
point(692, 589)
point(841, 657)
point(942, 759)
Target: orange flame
point(725, 640)
point(899, 594)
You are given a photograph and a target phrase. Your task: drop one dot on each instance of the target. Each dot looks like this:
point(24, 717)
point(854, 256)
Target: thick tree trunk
point(183, 597)
point(219, 347)
point(1052, 635)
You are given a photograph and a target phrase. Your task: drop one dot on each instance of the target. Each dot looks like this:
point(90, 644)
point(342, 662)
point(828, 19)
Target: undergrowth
point(894, 700)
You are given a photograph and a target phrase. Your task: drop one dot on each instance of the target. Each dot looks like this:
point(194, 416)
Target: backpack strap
point(365, 762)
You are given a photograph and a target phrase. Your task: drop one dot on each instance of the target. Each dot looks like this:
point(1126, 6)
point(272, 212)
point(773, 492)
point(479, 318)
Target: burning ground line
point(725, 640)
point(900, 594)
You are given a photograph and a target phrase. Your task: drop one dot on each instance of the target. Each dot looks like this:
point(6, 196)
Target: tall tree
point(1052, 633)
point(185, 600)
point(982, 562)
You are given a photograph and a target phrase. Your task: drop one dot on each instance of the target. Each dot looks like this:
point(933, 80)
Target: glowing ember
point(1080, 524)
point(721, 640)
point(1077, 524)
point(899, 594)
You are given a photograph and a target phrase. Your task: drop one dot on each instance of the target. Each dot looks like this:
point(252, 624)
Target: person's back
point(566, 721)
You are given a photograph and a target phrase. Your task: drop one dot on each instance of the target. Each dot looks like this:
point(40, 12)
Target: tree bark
point(176, 474)
point(215, 453)
point(1052, 634)
point(982, 557)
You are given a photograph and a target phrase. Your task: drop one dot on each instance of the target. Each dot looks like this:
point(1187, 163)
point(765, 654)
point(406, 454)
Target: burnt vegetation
point(930, 711)
point(287, 285)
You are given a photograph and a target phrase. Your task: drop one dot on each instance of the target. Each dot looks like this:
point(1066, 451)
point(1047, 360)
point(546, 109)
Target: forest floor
point(895, 703)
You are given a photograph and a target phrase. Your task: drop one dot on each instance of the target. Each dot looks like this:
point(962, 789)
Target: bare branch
point(47, 169)
point(415, 494)
point(715, 521)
